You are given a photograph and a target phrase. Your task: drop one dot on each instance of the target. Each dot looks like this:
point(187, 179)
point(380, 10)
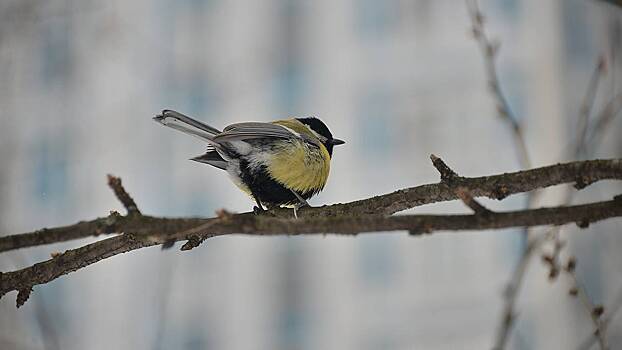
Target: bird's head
point(320, 130)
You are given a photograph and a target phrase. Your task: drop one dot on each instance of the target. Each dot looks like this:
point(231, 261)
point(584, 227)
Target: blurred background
point(397, 79)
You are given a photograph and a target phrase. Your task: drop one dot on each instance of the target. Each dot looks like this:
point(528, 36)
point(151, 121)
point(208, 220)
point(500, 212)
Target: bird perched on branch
point(284, 162)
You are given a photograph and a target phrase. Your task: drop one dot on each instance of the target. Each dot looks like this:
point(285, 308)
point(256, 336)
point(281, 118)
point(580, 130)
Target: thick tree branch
point(497, 187)
point(60, 234)
point(141, 231)
point(145, 231)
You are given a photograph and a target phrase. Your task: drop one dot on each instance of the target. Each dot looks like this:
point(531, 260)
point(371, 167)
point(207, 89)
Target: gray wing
point(254, 130)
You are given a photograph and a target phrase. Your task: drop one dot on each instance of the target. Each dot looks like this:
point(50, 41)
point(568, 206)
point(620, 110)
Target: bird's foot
point(298, 206)
point(301, 203)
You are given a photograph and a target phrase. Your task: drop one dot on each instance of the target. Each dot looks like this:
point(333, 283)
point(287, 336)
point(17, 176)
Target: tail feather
point(212, 158)
point(187, 125)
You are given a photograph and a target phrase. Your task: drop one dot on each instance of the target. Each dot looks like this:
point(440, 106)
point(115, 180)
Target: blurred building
point(397, 79)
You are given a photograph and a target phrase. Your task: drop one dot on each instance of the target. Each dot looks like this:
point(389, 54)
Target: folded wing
point(255, 130)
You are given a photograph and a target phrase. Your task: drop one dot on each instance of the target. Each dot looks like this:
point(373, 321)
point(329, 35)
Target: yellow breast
point(299, 166)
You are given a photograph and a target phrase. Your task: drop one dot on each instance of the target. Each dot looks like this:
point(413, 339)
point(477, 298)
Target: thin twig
point(586, 107)
point(583, 148)
point(447, 175)
point(466, 197)
point(125, 199)
point(603, 119)
point(608, 316)
point(510, 295)
point(490, 50)
point(595, 311)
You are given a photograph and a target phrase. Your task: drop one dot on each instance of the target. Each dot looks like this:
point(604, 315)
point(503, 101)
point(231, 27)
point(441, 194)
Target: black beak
point(336, 142)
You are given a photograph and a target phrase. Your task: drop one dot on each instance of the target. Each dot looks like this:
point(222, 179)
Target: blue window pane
point(56, 54)
point(377, 260)
point(375, 111)
point(290, 87)
point(50, 170)
point(376, 17)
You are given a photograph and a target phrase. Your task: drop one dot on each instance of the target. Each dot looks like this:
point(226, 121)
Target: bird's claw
point(298, 206)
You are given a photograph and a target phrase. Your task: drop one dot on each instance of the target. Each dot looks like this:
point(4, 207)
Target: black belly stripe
point(265, 188)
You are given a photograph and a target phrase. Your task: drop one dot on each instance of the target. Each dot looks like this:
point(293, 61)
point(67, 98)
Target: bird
point(279, 163)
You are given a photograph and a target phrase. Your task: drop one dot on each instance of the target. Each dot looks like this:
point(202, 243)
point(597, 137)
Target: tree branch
point(148, 231)
point(346, 219)
point(496, 187)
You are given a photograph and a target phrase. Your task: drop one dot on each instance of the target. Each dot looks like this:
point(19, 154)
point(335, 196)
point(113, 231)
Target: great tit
point(284, 162)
